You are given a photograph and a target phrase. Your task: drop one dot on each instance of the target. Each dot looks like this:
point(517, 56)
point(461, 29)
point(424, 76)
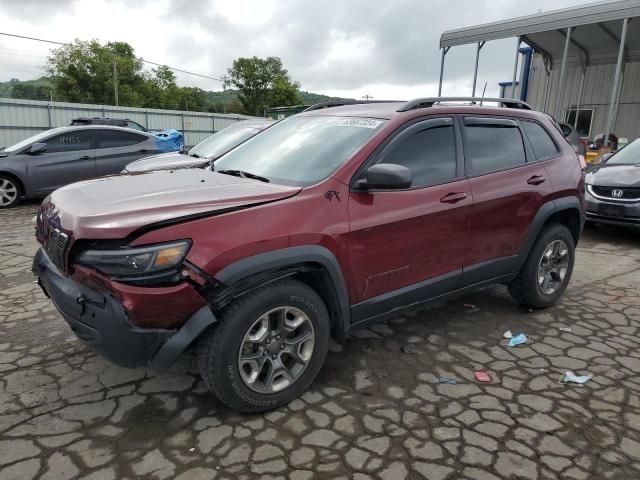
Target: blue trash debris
point(169, 140)
point(448, 380)
point(517, 340)
point(570, 377)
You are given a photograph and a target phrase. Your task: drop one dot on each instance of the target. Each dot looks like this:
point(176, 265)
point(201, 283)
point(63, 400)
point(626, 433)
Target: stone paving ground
point(376, 410)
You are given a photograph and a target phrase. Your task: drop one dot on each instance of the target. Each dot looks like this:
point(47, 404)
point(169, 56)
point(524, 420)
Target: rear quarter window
point(544, 147)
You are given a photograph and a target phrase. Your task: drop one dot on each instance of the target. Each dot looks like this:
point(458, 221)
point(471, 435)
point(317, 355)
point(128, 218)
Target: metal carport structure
point(585, 36)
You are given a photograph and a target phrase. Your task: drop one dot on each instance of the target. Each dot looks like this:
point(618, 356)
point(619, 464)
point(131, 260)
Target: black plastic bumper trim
point(100, 321)
point(178, 343)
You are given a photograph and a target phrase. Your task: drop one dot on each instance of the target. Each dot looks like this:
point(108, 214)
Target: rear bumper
point(100, 321)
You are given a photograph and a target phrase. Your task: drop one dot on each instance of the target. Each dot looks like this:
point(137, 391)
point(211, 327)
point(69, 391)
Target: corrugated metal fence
point(20, 119)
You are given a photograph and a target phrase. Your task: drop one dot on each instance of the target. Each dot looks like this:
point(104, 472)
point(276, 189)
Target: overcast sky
point(387, 49)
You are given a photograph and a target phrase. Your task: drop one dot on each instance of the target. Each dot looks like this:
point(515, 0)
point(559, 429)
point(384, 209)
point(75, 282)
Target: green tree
point(84, 72)
point(263, 83)
point(30, 91)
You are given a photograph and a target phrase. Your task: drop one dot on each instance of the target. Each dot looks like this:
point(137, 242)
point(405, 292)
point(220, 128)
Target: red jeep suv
point(327, 221)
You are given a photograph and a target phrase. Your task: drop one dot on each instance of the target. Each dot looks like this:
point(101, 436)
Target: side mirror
point(37, 148)
point(388, 176)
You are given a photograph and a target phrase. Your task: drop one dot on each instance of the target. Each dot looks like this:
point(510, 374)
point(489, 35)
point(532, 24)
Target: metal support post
point(444, 53)
point(575, 121)
point(515, 67)
point(567, 41)
point(475, 70)
point(616, 81)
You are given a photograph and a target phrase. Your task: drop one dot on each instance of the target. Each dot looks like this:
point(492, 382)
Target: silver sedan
point(44, 162)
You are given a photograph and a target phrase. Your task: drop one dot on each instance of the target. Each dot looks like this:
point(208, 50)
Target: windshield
point(220, 143)
point(301, 150)
point(36, 138)
point(629, 155)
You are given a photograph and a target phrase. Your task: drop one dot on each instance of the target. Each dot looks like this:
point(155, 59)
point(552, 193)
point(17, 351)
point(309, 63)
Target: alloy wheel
point(276, 349)
point(8, 192)
point(553, 267)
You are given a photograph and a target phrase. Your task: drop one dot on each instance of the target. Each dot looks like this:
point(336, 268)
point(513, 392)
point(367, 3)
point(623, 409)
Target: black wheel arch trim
point(180, 341)
point(290, 261)
point(544, 213)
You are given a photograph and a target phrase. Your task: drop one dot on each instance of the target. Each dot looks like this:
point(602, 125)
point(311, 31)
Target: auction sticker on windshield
point(359, 122)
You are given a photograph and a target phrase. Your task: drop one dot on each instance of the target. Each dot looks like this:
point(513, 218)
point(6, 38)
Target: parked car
point(325, 222)
point(613, 188)
point(573, 137)
point(48, 160)
point(173, 140)
point(114, 122)
point(204, 152)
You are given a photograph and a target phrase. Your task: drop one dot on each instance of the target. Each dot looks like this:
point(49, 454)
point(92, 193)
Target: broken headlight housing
point(137, 262)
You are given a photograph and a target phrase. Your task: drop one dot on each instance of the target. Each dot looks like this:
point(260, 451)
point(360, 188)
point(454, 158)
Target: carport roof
point(595, 38)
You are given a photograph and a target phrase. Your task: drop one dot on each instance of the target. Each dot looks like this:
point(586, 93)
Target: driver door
point(408, 245)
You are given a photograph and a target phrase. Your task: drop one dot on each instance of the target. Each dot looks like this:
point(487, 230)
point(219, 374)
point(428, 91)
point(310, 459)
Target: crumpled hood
point(165, 161)
point(113, 207)
point(614, 175)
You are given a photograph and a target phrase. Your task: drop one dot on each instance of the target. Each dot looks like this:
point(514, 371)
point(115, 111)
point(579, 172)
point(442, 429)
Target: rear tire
point(547, 270)
point(267, 348)
point(10, 191)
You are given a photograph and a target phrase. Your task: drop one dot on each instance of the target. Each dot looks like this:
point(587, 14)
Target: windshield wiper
point(243, 174)
point(194, 155)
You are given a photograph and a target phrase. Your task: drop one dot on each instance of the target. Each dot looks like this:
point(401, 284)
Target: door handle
point(84, 157)
point(453, 197)
point(536, 180)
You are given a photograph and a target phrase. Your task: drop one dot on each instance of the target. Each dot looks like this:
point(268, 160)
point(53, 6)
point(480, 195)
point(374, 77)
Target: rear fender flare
point(544, 213)
point(289, 259)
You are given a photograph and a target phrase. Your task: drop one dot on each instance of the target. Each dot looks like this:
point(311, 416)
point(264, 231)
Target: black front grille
point(55, 244)
point(626, 193)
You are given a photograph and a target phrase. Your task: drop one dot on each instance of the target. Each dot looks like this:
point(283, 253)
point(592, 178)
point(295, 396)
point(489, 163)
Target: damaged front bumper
point(100, 321)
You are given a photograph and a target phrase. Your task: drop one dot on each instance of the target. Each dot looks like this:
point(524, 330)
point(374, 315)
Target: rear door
point(69, 158)
point(116, 148)
point(509, 185)
point(407, 245)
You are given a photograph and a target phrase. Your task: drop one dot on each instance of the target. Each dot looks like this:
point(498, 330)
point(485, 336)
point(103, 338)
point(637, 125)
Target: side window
point(430, 154)
point(69, 142)
point(117, 138)
point(490, 147)
point(543, 145)
point(135, 125)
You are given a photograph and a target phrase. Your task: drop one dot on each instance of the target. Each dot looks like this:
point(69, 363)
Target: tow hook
point(82, 300)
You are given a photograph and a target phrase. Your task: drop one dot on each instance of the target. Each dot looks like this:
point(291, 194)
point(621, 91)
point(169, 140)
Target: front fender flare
point(290, 257)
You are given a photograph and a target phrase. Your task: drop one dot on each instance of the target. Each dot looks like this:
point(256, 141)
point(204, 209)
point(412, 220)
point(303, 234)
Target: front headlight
point(136, 261)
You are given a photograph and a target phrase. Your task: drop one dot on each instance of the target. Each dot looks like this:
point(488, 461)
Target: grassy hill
point(230, 98)
point(40, 89)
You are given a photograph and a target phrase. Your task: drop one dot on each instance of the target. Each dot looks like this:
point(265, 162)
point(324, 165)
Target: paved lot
point(377, 409)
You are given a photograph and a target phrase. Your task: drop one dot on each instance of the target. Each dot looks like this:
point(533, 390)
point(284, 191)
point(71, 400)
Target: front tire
point(10, 191)
point(547, 270)
point(267, 348)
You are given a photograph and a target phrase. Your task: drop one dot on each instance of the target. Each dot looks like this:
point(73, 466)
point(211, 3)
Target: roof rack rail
point(430, 101)
point(340, 103)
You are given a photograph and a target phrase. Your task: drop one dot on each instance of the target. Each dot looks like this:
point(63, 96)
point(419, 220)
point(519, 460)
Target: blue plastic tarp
point(169, 140)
